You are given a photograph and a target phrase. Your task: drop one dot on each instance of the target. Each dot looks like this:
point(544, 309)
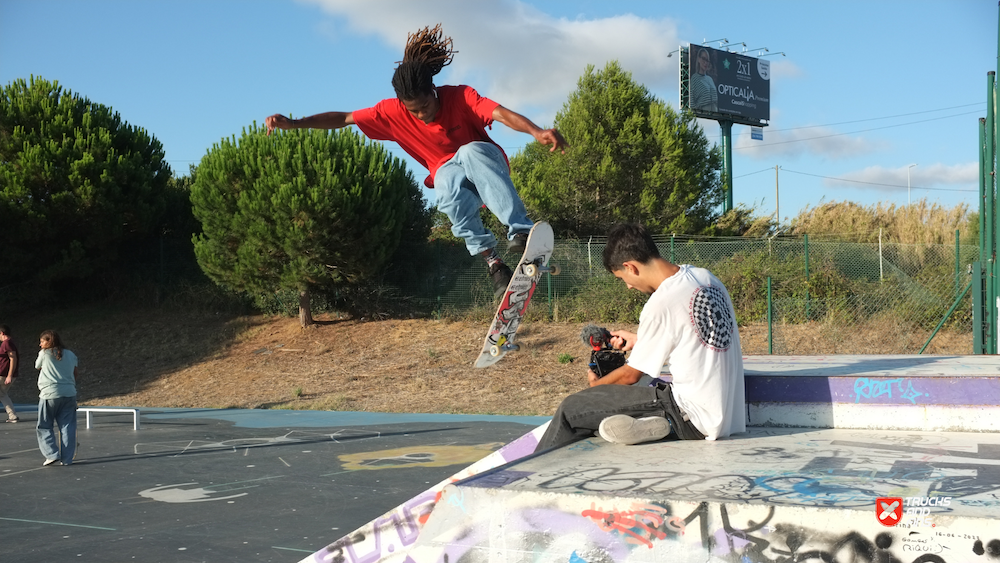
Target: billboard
point(722, 85)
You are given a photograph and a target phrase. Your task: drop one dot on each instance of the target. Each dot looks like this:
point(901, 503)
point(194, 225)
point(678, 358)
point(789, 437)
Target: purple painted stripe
point(519, 448)
point(496, 479)
point(875, 390)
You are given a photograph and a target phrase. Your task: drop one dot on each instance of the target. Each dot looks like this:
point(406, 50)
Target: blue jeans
point(580, 414)
point(477, 175)
point(61, 412)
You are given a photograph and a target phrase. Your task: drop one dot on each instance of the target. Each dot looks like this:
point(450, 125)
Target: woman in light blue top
point(56, 399)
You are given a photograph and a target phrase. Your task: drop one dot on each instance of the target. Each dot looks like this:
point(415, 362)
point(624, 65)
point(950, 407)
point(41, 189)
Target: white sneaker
point(49, 462)
point(623, 429)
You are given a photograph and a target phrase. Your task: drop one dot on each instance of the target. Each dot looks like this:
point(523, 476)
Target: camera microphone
point(604, 359)
point(596, 337)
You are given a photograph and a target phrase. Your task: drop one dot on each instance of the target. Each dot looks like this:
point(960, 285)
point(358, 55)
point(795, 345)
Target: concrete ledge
point(932, 393)
point(927, 418)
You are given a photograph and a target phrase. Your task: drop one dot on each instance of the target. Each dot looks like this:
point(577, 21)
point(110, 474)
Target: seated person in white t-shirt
point(689, 326)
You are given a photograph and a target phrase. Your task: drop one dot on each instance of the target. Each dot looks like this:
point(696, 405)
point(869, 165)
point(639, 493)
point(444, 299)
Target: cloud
point(923, 179)
point(518, 55)
point(804, 141)
point(784, 68)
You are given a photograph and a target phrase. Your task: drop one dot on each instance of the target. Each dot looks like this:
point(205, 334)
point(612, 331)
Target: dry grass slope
point(158, 358)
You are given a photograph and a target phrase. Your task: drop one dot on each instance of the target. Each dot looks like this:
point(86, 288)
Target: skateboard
point(534, 262)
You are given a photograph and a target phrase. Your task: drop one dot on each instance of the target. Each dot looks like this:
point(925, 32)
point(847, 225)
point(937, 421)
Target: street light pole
point(777, 214)
point(908, 184)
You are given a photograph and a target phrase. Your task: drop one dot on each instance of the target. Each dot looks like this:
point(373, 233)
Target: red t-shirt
point(462, 119)
point(6, 347)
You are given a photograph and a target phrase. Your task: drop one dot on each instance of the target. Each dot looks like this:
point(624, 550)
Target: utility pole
point(777, 214)
point(908, 184)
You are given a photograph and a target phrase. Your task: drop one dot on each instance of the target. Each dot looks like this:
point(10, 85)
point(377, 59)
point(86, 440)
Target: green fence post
point(990, 308)
point(807, 277)
point(590, 260)
point(548, 279)
point(672, 259)
point(988, 254)
point(977, 295)
point(946, 316)
point(978, 310)
point(958, 259)
point(982, 185)
point(770, 334)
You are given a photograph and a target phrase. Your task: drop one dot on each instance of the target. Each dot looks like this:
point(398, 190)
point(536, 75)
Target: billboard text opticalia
point(729, 86)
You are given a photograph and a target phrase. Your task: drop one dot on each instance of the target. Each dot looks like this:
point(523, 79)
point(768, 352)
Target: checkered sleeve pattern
point(712, 318)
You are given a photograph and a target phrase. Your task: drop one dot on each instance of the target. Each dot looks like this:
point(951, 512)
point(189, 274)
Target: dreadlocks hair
point(426, 53)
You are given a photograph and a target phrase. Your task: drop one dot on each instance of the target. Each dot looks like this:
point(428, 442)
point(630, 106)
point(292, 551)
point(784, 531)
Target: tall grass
point(918, 223)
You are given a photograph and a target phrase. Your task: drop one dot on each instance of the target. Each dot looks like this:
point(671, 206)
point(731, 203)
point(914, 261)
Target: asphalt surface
point(225, 485)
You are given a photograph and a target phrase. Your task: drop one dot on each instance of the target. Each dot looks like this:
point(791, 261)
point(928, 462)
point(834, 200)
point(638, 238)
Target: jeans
point(5, 398)
point(478, 174)
point(580, 414)
point(62, 412)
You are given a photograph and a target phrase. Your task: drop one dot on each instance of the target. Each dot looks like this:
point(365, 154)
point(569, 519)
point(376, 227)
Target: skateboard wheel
point(554, 269)
point(494, 350)
point(530, 270)
point(513, 347)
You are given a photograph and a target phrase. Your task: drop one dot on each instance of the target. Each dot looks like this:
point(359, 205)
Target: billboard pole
point(727, 163)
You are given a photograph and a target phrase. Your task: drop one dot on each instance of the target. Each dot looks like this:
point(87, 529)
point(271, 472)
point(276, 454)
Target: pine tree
point(300, 210)
point(76, 183)
point(632, 158)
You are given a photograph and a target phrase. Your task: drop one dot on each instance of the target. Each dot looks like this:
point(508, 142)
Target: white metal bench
point(91, 410)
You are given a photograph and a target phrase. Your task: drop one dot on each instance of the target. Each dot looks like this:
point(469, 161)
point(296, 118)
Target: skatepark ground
point(830, 439)
point(225, 484)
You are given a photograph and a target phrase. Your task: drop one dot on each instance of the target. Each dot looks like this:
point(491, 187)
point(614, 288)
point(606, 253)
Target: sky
point(867, 97)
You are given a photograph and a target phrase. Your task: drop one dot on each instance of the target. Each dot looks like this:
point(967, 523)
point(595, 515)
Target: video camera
point(604, 359)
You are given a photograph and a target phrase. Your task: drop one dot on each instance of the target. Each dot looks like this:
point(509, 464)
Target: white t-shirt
point(689, 326)
point(56, 377)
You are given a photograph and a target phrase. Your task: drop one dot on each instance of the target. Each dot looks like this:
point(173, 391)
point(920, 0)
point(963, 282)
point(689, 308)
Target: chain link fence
point(792, 295)
point(824, 296)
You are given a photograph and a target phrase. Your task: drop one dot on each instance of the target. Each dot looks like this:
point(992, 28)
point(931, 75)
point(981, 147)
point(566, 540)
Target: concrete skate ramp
point(767, 495)
point(837, 446)
point(399, 529)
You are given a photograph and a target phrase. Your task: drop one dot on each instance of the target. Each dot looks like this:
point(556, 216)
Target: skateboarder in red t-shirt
point(444, 128)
